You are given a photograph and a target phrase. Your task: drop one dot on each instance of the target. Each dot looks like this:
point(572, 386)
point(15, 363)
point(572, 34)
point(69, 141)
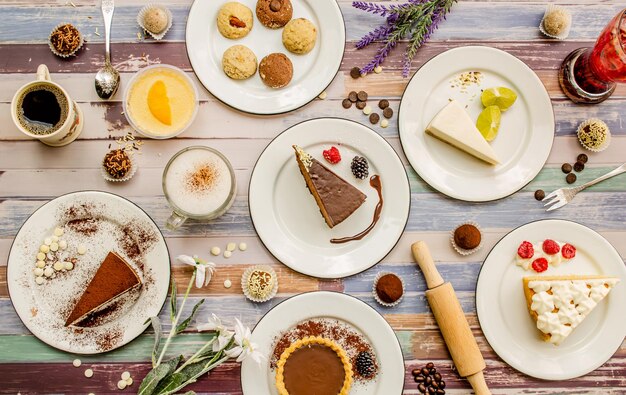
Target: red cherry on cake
point(526, 250)
point(332, 155)
point(540, 265)
point(568, 251)
point(551, 247)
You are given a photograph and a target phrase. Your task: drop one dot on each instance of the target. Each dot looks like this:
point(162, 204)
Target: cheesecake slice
point(113, 279)
point(558, 304)
point(454, 126)
point(337, 199)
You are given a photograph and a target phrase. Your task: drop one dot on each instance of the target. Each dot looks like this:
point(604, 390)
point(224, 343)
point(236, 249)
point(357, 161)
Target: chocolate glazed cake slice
point(336, 198)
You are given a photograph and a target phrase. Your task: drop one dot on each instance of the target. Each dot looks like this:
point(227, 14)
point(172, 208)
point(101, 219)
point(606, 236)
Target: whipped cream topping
point(555, 259)
point(563, 304)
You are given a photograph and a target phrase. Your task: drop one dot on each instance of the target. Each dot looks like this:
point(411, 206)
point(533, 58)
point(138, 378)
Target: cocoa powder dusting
point(136, 240)
point(84, 226)
point(109, 339)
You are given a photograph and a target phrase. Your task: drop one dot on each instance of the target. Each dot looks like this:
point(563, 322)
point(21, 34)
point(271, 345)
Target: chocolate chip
point(346, 103)
point(419, 379)
point(571, 178)
point(374, 118)
point(388, 112)
point(415, 372)
point(276, 5)
point(421, 388)
point(352, 96)
point(430, 365)
point(579, 166)
point(582, 158)
point(383, 104)
point(360, 104)
point(566, 168)
point(362, 95)
point(540, 194)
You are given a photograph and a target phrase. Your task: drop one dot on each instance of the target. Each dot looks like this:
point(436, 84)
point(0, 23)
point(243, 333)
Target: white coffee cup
point(71, 127)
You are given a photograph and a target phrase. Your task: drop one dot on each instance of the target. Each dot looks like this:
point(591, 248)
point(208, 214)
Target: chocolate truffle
point(388, 289)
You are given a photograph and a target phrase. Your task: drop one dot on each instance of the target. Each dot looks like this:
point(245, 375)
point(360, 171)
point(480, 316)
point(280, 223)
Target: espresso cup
point(63, 131)
point(199, 183)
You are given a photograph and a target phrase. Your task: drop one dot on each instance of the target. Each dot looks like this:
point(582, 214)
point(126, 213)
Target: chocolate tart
point(113, 279)
point(336, 197)
point(314, 366)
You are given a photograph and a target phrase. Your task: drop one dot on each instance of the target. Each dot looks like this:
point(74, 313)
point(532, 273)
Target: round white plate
point(513, 334)
point(45, 316)
point(526, 131)
point(312, 72)
point(259, 379)
point(288, 220)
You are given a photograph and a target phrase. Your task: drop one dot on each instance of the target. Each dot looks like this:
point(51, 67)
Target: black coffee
point(42, 109)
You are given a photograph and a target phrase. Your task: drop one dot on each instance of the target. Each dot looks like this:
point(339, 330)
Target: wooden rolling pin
point(452, 323)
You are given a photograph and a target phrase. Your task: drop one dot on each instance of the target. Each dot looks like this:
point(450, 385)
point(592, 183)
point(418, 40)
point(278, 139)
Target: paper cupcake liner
point(61, 55)
point(551, 8)
point(463, 251)
point(607, 141)
point(376, 295)
point(142, 13)
point(244, 283)
point(129, 175)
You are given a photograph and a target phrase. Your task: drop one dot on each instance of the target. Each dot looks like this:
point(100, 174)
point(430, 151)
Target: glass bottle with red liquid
point(589, 75)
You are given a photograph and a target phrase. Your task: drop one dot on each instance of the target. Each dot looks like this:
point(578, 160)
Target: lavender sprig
point(416, 19)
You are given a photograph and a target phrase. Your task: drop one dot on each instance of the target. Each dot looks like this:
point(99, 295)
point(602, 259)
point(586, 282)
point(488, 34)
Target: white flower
point(223, 334)
point(204, 270)
point(244, 347)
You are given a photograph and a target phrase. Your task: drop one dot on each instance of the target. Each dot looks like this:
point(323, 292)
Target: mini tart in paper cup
point(65, 28)
point(127, 176)
point(259, 283)
point(375, 293)
point(467, 234)
point(556, 22)
point(594, 135)
point(156, 19)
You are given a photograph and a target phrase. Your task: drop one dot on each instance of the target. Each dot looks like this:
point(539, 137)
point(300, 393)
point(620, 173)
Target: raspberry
point(568, 251)
point(551, 247)
point(332, 155)
point(540, 265)
point(526, 250)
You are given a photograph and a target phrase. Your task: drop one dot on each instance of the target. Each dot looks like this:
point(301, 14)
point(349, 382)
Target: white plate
point(45, 316)
point(288, 220)
point(260, 379)
point(510, 330)
point(526, 131)
point(312, 72)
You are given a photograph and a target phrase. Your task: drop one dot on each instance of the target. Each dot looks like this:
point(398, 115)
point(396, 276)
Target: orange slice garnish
point(159, 103)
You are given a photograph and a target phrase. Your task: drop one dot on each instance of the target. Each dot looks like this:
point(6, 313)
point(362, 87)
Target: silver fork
point(562, 196)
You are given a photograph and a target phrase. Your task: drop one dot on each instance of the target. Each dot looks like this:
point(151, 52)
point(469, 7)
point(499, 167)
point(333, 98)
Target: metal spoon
point(107, 78)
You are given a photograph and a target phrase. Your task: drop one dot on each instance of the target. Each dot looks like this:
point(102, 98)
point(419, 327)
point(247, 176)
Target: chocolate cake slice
point(113, 279)
point(336, 198)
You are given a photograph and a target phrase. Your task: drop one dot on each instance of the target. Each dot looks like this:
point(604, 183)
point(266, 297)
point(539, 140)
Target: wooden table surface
point(32, 173)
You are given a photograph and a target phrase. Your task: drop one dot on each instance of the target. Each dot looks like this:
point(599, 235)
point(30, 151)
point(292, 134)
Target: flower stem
point(175, 323)
point(191, 359)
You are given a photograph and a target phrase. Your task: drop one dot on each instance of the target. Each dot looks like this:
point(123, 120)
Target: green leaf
point(173, 307)
point(156, 375)
point(188, 375)
point(158, 334)
point(183, 325)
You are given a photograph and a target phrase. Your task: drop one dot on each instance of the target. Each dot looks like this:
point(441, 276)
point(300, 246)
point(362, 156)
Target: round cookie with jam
point(274, 14)
point(299, 36)
point(276, 70)
point(234, 20)
point(239, 62)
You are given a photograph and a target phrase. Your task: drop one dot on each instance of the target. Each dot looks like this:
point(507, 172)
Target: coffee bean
point(442, 384)
point(579, 166)
point(425, 371)
point(431, 390)
point(374, 118)
point(362, 95)
point(582, 158)
point(346, 103)
point(440, 392)
point(419, 379)
point(540, 194)
point(355, 73)
point(434, 384)
point(566, 168)
point(437, 377)
point(429, 380)
point(421, 388)
point(571, 178)
point(388, 112)
point(383, 104)
point(415, 372)
point(433, 370)
point(360, 104)
point(352, 96)
point(276, 5)
point(430, 365)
